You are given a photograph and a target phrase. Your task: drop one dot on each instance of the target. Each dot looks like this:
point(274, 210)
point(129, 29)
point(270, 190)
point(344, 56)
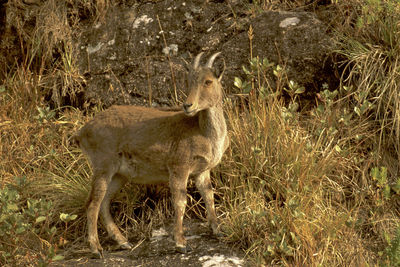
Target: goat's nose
point(186, 106)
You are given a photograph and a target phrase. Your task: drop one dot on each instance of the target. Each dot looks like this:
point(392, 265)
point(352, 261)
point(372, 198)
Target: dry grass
point(294, 188)
point(371, 47)
point(290, 196)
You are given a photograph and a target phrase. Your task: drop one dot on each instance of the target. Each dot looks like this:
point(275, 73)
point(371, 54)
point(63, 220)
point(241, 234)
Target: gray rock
point(127, 60)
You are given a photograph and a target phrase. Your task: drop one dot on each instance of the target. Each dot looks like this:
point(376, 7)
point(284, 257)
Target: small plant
point(45, 114)
point(23, 221)
point(258, 80)
point(66, 218)
point(294, 89)
point(380, 176)
point(391, 254)
point(385, 189)
point(256, 77)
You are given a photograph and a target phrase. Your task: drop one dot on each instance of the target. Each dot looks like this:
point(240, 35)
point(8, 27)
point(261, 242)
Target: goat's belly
point(141, 173)
point(202, 164)
point(150, 178)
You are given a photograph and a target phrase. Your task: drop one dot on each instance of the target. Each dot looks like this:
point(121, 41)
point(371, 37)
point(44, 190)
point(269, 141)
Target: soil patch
point(159, 250)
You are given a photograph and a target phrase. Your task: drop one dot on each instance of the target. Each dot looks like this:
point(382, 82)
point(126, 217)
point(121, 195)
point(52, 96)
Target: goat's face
point(205, 89)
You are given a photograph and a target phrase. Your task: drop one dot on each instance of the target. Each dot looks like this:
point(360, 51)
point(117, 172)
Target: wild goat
point(147, 145)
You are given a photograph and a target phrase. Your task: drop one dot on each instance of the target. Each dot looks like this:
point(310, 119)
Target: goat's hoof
point(97, 255)
point(126, 246)
point(183, 250)
point(96, 252)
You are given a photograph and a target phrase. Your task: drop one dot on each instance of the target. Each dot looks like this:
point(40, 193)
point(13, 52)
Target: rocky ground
point(206, 251)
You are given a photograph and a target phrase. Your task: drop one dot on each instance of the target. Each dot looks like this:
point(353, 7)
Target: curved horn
point(197, 60)
point(211, 60)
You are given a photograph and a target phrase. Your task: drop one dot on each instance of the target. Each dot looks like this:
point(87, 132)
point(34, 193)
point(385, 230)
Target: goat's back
point(141, 126)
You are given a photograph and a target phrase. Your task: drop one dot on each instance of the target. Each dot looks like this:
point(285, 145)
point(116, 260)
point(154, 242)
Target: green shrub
point(391, 254)
point(24, 222)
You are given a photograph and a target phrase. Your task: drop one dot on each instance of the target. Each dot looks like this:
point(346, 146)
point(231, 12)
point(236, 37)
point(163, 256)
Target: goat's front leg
point(203, 184)
point(178, 182)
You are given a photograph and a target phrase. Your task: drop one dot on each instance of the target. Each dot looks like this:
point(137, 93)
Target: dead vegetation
point(297, 187)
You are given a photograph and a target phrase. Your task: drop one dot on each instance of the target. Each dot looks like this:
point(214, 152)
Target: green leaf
point(238, 82)
point(357, 111)
point(245, 70)
point(338, 149)
point(386, 191)
point(246, 87)
point(347, 88)
point(254, 63)
point(300, 90)
point(20, 230)
point(293, 107)
point(277, 70)
point(375, 173)
point(12, 207)
point(266, 64)
point(64, 217)
point(320, 108)
point(58, 258)
point(40, 219)
point(396, 187)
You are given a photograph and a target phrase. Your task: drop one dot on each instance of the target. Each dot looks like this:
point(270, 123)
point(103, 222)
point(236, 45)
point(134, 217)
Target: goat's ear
point(222, 73)
point(187, 66)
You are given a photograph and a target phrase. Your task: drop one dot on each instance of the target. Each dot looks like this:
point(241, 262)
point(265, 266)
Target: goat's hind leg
point(112, 229)
point(98, 191)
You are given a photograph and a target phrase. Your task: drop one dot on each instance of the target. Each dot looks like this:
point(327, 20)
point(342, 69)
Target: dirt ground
point(159, 250)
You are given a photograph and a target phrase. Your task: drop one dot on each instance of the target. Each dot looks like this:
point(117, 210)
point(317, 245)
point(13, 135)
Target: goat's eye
point(208, 82)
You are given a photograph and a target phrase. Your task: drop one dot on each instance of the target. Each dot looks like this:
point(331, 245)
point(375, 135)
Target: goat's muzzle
point(189, 109)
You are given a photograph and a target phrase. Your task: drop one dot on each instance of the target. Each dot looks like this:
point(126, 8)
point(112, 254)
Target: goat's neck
point(212, 123)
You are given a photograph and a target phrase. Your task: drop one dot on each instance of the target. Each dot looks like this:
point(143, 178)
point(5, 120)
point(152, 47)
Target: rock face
point(138, 53)
point(296, 41)
point(141, 50)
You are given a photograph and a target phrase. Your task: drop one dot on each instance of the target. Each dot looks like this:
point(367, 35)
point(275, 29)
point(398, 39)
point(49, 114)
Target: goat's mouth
point(190, 112)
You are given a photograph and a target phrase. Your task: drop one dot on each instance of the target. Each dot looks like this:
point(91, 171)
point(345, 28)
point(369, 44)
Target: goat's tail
point(75, 139)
